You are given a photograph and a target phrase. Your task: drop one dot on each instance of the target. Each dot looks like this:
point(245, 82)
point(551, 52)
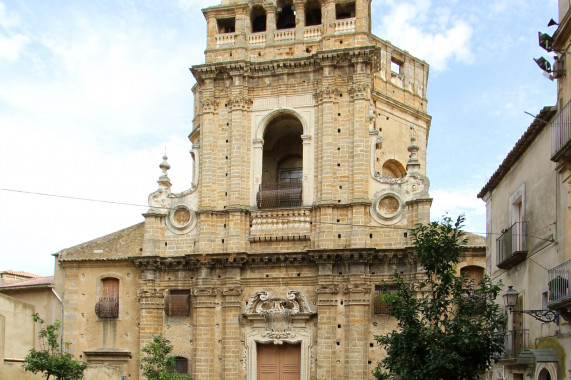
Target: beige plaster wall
point(17, 334)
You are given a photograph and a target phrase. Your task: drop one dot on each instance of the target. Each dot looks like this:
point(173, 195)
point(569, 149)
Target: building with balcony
point(309, 144)
point(528, 207)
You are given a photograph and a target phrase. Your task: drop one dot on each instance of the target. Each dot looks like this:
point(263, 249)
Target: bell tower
point(309, 142)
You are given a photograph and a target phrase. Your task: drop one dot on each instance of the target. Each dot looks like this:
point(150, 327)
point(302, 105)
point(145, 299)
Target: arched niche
point(393, 169)
point(282, 153)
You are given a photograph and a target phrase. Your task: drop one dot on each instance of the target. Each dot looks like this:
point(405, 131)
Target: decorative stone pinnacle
point(164, 180)
point(164, 165)
point(413, 164)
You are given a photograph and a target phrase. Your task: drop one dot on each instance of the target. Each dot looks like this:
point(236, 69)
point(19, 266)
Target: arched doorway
point(544, 375)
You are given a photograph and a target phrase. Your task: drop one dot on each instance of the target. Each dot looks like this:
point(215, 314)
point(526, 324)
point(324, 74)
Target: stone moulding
point(403, 255)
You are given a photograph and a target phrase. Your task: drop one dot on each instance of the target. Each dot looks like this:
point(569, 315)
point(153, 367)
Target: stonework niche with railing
point(561, 134)
point(511, 246)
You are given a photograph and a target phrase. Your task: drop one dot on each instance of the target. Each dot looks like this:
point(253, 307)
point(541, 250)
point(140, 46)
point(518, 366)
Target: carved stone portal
point(278, 320)
point(278, 312)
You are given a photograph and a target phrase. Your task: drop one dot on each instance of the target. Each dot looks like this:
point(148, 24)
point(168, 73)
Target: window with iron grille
point(379, 307)
point(177, 303)
point(181, 365)
point(108, 305)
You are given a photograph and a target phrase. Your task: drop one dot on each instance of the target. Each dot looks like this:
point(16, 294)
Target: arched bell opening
point(285, 15)
point(258, 18)
point(313, 13)
point(282, 163)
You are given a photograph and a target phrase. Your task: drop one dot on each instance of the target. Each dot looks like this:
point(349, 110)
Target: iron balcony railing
point(561, 132)
point(515, 342)
point(558, 283)
point(279, 194)
point(107, 307)
point(512, 245)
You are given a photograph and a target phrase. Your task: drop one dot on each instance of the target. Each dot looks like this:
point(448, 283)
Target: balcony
point(558, 284)
point(345, 25)
point(225, 39)
point(312, 33)
point(512, 246)
point(279, 194)
point(561, 134)
point(515, 342)
point(257, 39)
point(284, 35)
point(107, 307)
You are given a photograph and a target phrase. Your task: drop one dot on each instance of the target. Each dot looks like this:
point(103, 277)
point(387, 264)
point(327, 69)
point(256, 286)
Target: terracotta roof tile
point(29, 282)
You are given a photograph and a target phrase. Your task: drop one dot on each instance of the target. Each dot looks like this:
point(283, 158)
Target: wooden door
point(279, 362)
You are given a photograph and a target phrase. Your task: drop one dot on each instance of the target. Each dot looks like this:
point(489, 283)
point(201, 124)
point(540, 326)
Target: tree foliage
point(51, 359)
point(448, 325)
point(158, 364)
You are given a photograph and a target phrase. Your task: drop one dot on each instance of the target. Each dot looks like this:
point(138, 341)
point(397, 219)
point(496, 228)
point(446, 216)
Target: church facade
point(309, 145)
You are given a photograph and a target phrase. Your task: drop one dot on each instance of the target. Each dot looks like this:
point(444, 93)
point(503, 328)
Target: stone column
point(206, 362)
point(258, 157)
point(231, 347)
point(307, 190)
point(357, 332)
point(327, 307)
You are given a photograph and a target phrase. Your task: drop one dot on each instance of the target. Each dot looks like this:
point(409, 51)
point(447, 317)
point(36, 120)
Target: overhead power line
point(223, 213)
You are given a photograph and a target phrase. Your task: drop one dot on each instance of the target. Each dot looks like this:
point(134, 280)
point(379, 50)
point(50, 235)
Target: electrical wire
point(224, 213)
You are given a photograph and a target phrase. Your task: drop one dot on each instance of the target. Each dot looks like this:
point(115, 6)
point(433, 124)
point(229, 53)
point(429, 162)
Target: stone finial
point(413, 164)
point(164, 180)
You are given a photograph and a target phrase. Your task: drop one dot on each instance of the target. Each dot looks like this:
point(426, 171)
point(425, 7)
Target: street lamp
point(510, 300)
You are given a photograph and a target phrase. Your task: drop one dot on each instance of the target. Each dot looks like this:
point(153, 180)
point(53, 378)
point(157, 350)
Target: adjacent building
point(528, 207)
point(19, 299)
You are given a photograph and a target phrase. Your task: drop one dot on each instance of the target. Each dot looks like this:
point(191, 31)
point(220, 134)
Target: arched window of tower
point(344, 10)
point(258, 17)
point(313, 13)
point(285, 15)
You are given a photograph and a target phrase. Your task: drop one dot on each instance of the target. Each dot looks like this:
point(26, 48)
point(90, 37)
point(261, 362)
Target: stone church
point(309, 145)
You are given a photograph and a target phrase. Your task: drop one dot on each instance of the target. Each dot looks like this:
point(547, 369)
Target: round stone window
point(389, 206)
point(181, 219)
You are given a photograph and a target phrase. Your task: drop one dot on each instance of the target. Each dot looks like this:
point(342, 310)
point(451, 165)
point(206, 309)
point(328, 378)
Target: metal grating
point(379, 307)
point(558, 282)
point(511, 242)
point(177, 303)
point(279, 194)
point(107, 307)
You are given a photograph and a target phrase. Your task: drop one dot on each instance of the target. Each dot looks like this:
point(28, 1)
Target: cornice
point(338, 57)
point(404, 255)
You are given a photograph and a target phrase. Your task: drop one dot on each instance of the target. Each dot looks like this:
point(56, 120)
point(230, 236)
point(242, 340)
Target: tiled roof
point(29, 282)
point(540, 122)
point(21, 274)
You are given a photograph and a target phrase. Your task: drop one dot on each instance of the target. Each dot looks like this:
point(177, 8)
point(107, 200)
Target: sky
point(92, 93)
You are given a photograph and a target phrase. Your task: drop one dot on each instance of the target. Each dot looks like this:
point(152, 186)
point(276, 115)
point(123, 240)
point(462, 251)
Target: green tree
point(158, 364)
point(51, 359)
point(448, 325)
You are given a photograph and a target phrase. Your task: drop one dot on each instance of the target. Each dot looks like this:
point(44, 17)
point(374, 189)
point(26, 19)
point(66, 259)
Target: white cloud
point(460, 201)
point(437, 37)
point(12, 46)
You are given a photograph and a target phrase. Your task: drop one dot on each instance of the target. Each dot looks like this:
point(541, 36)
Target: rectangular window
point(177, 303)
point(396, 66)
point(181, 365)
point(291, 175)
point(226, 25)
point(379, 307)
